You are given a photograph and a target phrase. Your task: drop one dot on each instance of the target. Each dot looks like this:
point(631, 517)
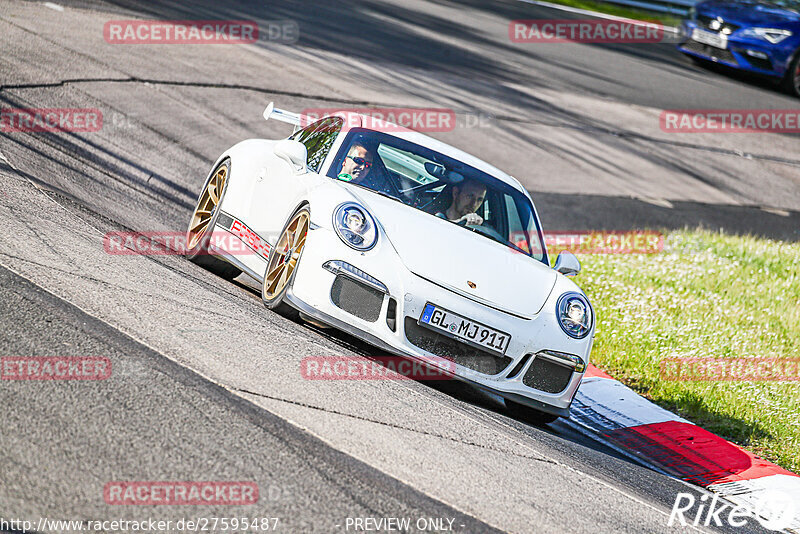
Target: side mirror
point(434, 169)
point(567, 264)
point(294, 153)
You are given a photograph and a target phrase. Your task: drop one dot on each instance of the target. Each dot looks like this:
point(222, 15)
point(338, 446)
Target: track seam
point(392, 425)
point(588, 128)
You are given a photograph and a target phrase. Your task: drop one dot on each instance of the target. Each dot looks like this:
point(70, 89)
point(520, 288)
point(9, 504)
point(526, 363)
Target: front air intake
point(357, 298)
point(391, 314)
point(546, 375)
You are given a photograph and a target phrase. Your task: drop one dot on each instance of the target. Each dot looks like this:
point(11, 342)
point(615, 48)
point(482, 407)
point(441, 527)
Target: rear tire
point(528, 414)
point(204, 220)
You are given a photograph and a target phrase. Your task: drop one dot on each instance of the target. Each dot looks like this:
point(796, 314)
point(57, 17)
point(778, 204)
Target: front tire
point(528, 414)
point(204, 220)
point(791, 81)
point(283, 260)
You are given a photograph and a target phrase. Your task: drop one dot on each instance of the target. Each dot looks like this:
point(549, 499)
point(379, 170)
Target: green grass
point(622, 11)
point(705, 295)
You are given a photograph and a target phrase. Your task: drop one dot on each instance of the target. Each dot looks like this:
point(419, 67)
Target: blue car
point(759, 37)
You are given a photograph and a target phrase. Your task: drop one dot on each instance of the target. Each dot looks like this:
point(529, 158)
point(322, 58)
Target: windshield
point(790, 4)
point(786, 4)
point(440, 186)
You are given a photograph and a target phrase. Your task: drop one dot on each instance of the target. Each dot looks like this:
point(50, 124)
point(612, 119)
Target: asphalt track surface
point(205, 382)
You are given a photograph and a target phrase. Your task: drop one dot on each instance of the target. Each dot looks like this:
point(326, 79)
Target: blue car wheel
point(791, 82)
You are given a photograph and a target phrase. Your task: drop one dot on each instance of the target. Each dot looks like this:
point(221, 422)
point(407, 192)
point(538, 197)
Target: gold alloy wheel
point(287, 252)
point(206, 206)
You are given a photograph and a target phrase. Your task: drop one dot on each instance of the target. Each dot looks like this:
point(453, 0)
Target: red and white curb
point(657, 437)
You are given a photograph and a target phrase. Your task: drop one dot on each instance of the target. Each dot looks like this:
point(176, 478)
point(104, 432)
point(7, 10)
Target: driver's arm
point(472, 219)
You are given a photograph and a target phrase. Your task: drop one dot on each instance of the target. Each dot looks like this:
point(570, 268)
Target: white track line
point(597, 14)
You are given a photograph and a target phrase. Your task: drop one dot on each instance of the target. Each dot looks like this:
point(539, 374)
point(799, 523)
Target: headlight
point(574, 315)
point(773, 35)
point(355, 226)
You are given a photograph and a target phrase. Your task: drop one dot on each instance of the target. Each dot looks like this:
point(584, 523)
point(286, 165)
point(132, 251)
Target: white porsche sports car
point(414, 246)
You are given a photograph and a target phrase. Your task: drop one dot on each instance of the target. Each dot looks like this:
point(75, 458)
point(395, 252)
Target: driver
point(356, 164)
point(467, 198)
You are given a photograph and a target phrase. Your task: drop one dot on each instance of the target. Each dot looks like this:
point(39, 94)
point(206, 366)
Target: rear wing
point(301, 120)
point(296, 119)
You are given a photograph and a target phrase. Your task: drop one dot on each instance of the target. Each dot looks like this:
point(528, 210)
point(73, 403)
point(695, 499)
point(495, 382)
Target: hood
point(449, 256)
point(748, 13)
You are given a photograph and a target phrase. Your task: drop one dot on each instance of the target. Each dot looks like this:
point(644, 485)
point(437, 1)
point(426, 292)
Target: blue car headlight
point(574, 315)
point(773, 35)
point(355, 226)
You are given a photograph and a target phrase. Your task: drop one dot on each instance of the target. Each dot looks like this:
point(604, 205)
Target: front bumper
point(311, 293)
point(743, 53)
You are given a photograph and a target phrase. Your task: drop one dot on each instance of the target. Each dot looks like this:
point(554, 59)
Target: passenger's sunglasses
point(361, 161)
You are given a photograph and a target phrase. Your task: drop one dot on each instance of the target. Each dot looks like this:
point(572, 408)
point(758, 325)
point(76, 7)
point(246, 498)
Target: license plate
point(717, 40)
point(463, 329)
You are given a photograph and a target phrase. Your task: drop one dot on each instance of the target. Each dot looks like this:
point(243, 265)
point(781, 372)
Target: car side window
point(523, 233)
point(318, 139)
